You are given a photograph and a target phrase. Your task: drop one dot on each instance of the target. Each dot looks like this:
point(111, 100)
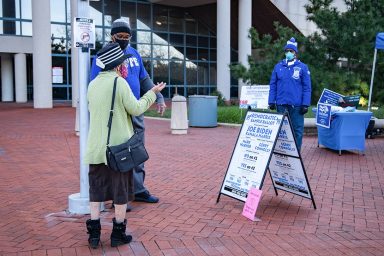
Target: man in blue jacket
point(139, 82)
point(290, 89)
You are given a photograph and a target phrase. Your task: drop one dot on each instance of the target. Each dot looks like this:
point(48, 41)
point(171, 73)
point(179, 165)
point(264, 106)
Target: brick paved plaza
point(39, 169)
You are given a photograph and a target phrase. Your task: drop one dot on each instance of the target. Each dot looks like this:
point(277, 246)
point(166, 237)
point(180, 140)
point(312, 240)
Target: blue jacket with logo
point(136, 70)
point(290, 85)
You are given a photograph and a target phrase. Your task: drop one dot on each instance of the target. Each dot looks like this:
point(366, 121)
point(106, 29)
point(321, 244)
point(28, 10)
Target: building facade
point(187, 44)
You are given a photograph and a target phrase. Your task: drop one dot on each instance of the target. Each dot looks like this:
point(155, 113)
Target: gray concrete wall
point(16, 44)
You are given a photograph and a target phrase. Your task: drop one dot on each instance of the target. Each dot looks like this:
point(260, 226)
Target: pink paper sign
point(251, 204)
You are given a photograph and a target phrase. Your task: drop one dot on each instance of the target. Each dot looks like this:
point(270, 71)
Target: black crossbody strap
point(111, 111)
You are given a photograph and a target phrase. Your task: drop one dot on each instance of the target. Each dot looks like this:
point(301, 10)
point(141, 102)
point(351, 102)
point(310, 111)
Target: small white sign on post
point(84, 33)
point(255, 96)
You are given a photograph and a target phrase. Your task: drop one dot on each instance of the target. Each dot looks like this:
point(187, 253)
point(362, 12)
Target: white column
point(42, 59)
point(74, 60)
point(224, 47)
point(21, 77)
point(6, 78)
point(245, 44)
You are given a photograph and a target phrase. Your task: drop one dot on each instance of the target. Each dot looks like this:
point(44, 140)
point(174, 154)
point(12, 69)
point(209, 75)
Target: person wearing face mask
point(290, 89)
point(104, 183)
point(139, 82)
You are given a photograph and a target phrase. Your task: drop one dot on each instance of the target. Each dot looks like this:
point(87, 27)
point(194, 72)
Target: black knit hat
point(110, 56)
point(120, 25)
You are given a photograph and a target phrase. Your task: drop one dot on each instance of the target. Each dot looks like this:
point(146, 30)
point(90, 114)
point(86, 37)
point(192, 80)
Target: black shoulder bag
point(126, 156)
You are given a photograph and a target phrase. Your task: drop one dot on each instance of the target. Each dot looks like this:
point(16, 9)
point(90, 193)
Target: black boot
point(94, 228)
point(118, 236)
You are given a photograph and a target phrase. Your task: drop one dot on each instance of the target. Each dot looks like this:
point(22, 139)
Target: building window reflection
point(175, 47)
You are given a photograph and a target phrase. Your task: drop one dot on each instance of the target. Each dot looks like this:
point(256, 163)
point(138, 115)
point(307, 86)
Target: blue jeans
point(297, 121)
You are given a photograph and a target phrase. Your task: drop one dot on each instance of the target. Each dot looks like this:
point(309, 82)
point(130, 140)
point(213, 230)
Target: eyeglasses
point(126, 37)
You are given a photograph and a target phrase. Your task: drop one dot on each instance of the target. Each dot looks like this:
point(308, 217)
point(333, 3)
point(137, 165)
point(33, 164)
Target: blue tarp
point(380, 41)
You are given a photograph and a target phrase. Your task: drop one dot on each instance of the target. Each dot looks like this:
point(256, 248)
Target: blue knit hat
point(291, 44)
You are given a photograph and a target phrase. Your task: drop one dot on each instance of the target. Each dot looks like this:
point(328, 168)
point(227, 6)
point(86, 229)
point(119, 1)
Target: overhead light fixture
point(158, 23)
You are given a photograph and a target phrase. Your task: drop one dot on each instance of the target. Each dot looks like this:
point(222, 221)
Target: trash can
point(202, 111)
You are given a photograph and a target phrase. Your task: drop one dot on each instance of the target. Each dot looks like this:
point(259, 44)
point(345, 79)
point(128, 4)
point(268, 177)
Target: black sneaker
point(146, 197)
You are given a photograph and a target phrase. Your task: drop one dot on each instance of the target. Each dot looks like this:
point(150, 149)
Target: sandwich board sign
point(265, 142)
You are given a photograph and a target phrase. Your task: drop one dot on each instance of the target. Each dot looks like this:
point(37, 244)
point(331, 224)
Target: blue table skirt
point(347, 131)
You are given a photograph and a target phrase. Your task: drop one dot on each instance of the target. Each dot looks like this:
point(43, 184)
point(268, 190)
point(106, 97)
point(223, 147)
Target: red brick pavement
point(39, 169)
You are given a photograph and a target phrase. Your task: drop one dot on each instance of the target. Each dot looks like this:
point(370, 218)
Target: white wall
point(294, 10)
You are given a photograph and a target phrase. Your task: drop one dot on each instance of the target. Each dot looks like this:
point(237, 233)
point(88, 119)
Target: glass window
point(203, 54)
point(26, 9)
point(191, 73)
point(160, 18)
point(191, 90)
point(58, 10)
point(143, 16)
point(166, 92)
point(160, 51)
point(212, 74)
point(107, 35)
point(203, 41)
point(203, 73)
point(59, 45)
point(190, 25)
point(213, 43)
point(203, 90)
point(176, 39)
point(191, 53)
point(60, 93)
point(26, 28)
point(212, 55)
point(148, 66)
point(160, 71)
point(176, 52)
point(96, 12)
point(128, 11)
point(144, 50)
point(143, 37)
point(180, 89)
point(9, 27)
point(111, 12)
point(176, 69)
point(160, 38)
point(10, 9)
point(134, 37)
point(203, 30)
point(176, 20)
point(191, 41)
point(58, 31)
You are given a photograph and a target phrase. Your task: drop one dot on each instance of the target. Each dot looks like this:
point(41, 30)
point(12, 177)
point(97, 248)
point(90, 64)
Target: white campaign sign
point(285, 142)
point(251, 155)
point(288, 174)
point(255, 96)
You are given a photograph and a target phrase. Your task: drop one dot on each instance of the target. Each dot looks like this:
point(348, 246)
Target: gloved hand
point(303, 110)
point(272, 106)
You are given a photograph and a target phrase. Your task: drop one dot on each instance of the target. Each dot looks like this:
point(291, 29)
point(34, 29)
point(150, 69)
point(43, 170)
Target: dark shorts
point(106, 184)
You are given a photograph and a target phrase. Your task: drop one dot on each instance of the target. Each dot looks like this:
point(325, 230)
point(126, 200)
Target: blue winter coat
point(290, 85)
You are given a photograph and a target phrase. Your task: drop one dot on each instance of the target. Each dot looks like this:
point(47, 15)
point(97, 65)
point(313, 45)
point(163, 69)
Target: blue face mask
point(289, 56)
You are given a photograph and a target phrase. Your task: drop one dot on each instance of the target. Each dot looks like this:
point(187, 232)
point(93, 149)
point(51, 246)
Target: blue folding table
point(347, 131)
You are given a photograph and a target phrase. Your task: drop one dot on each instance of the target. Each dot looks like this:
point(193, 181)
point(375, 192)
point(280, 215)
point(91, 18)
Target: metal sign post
point(83, 39)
